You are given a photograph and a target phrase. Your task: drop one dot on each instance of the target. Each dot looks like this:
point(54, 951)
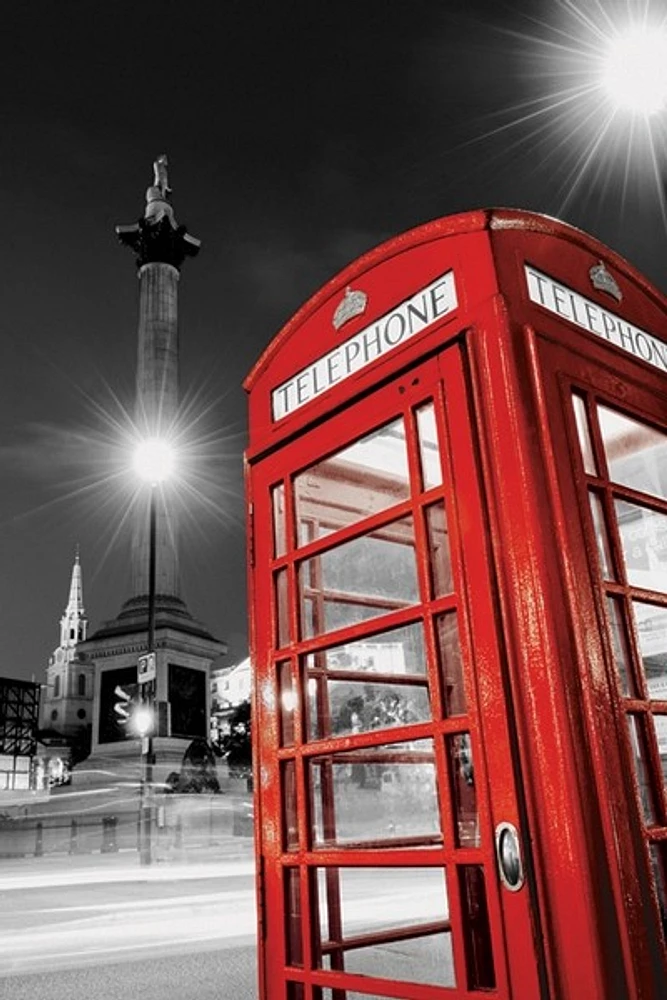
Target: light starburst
point(90, 473)
point(595, 112)
point(634, 72)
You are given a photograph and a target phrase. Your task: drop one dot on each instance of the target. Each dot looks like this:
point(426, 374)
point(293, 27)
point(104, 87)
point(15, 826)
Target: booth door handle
point(508, 856)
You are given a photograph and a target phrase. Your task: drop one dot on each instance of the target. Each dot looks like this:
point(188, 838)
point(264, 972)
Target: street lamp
point(634, 70)
point(633, 80)
point(154, 463)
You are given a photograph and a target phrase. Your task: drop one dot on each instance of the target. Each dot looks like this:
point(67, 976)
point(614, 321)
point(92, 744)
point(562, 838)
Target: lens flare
point(634, 72)
point(590, 128)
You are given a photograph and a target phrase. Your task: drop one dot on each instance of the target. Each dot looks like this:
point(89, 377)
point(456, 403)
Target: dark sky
point(299, 135)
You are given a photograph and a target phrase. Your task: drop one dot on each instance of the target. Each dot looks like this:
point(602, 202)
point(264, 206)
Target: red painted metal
point(543, 718)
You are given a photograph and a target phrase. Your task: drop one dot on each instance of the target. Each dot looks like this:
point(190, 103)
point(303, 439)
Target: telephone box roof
point(478, 220)
point(447, 268)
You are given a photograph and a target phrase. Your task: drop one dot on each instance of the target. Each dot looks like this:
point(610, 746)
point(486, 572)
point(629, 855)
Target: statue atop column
point(157, 195)
point(161, 176)
point(157, 238)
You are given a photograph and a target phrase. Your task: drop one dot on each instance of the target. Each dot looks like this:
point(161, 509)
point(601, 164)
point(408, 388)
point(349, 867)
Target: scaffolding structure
point(19, 720)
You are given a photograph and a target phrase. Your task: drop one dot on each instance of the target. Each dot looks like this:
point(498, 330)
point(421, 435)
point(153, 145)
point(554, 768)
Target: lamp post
point(153, 461)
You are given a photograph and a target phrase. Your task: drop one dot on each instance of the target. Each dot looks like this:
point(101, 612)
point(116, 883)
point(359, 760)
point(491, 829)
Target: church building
point(67, 698)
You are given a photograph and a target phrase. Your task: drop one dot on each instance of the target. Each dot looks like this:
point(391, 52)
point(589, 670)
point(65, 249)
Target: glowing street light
point(154, 463)
point(154, 460)
point(594, 118)
point(142, 720)
point(634, 71)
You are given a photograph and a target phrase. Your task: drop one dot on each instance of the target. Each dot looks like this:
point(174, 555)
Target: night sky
point(299, 134)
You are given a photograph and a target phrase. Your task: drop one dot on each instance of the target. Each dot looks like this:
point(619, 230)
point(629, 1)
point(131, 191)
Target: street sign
point(146, 668)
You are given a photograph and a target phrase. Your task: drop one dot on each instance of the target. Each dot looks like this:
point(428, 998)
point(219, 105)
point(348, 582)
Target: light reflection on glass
point(429, 451)
point(362, 479)
point(636, 453)
point(584, 434)
point(601, 536)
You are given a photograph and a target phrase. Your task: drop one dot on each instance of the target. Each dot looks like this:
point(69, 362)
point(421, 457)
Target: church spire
point(73, 623)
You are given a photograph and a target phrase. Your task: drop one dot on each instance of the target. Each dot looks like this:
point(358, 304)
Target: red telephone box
point(457, 489)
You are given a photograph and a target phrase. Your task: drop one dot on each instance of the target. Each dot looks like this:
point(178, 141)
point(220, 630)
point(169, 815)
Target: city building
point(230, 687)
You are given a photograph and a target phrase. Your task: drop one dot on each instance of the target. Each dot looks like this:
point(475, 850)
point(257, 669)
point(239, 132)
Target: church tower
point(67, 702)
point(184, 648)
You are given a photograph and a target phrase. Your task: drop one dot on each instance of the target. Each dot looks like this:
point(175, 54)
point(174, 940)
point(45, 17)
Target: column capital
point(158, 242)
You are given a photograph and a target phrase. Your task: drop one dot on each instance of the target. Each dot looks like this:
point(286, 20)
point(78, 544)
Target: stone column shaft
point(157, 354)
point(156, 411)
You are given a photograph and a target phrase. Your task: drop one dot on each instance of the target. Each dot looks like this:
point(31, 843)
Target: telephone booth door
point(387, 787)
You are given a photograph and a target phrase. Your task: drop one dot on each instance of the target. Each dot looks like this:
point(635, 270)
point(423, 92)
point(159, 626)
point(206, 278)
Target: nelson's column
point(184, 648)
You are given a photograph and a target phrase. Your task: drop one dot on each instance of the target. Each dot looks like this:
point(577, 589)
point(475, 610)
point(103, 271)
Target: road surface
point(223, 974)
point(117, 930)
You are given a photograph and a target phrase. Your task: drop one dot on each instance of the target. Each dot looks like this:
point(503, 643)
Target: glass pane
point(362, 479)
point(341, 707)
point(636, 453)
point(601, 536)
point(651, 624)
point(451, 667)
point(287, 703)
point(350, 687)
point(619, 645)
point(640, 765)
point(584, 434)
point(296, 991)
point(644, 540)
point(290, 826)
point(464, 795)
point(293, 943)
point(402, 913)
point(396, 651)
point(361, 579)
point(438, 543)
point(476, 930)
point(658, 722)
point(282, 609)
point(278, 506)
point(659, 869)
point(384, 794)
point(429, 451)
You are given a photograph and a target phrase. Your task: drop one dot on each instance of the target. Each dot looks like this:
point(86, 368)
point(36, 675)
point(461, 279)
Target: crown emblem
point(604, 281)
point(352, 304)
